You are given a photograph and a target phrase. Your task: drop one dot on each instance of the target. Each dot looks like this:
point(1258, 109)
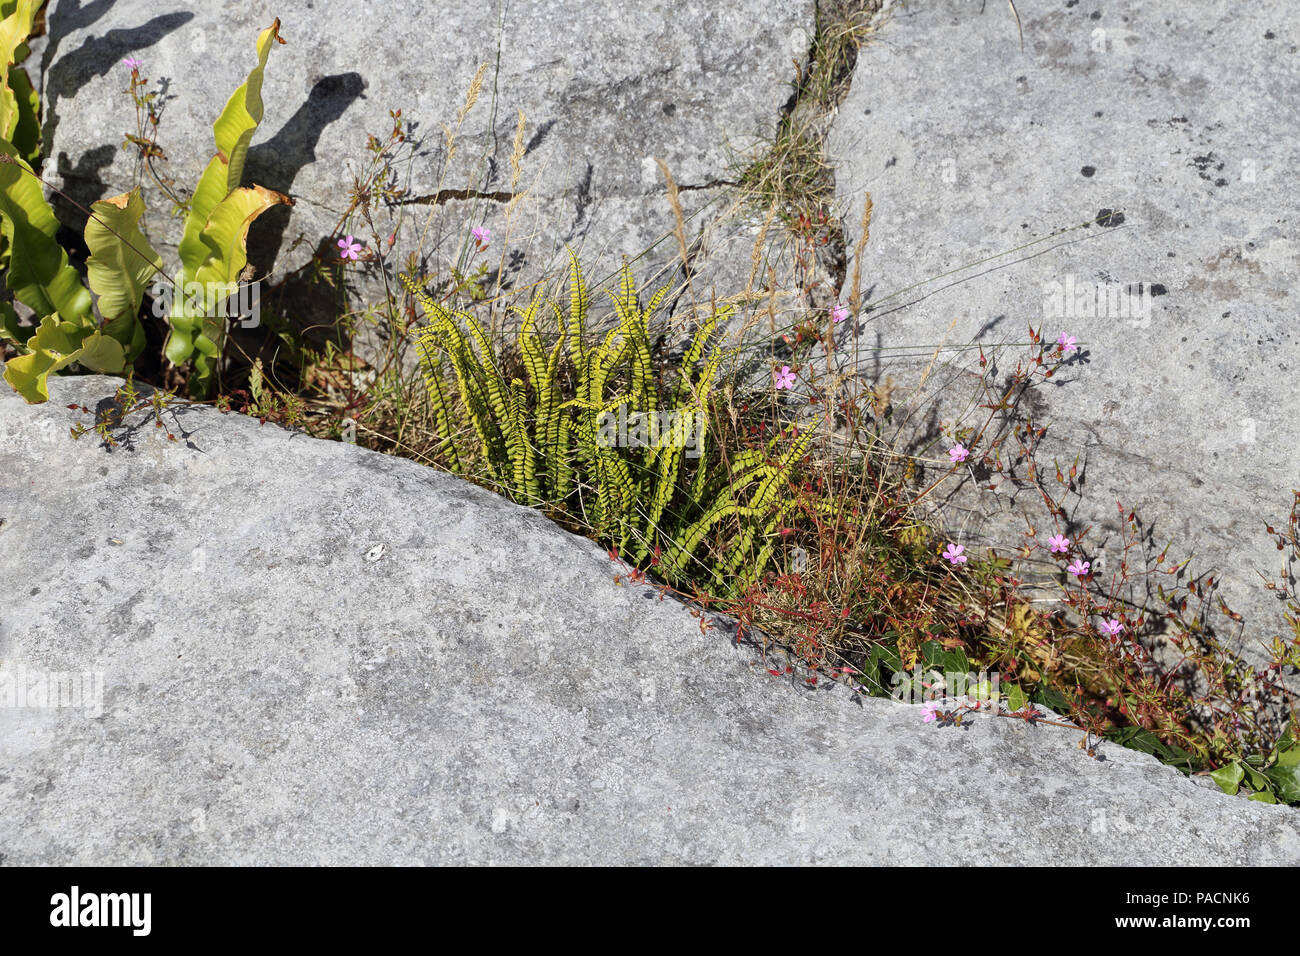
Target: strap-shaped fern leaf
point(665, 484)
point(433, 341)
point(443, 334)
point(431, 367)
point(655, 301)
point(530, 348)
point(427, 344)
point(524, 457)
point(474, 396)
point(500, 406)
point(771, 483)
point(579, 299)
point(745, 574)
point(543, 372)
point(601, 360)
point(626, 289)
point(695, 352)
point(684, 548)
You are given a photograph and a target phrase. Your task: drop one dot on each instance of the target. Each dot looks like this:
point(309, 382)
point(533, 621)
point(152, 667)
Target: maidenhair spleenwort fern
point(552, 441)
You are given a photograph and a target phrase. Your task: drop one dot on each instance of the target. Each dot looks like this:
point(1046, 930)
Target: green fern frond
point(541, 435)
point(431, 367)
point(578, 303)
point(627, 289)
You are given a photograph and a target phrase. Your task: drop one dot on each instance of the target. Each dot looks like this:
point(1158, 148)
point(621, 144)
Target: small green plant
point(213, 256)
point(548, 422)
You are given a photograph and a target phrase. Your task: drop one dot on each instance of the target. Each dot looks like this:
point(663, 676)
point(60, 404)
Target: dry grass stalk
point(760, 243)
point(674, 200)
point(855, 297)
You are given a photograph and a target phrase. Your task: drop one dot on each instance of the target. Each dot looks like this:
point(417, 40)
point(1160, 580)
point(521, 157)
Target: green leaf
point(9, 327)
point(226, 233)
point(1016, 698)
point(1053, 699)
point(27, 374)
point(1288, 752)
point(17, 100)
point(26, 134)
point(1286, 782)
point(1263, 797)
point(55, 345)
point(184, 326)
point(101, 353)
point(57, 335)
point(1255, 779)
point(885, 660)
point(39, 275)
point(948, 663)
point(202, 328)
point(255, 383)
point(1138, 738)
point(1229, 777)
point(120, 266)
point(232, 133)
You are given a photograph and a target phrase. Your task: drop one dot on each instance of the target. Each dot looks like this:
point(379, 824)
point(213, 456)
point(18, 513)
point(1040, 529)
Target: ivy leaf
point(1286, 781)
point(1229, 777)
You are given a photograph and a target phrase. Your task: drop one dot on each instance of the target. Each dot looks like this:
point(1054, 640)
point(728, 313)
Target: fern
point(543, 437)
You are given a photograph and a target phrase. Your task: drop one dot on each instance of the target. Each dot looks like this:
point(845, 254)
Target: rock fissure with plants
point(727, 449)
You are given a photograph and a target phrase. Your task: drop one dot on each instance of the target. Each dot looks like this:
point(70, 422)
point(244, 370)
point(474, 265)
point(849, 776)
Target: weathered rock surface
point(1179, 118)
point(312, 653)
point(606, 88)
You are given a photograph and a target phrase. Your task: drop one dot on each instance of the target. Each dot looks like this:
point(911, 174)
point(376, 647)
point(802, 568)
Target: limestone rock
point(310, 653)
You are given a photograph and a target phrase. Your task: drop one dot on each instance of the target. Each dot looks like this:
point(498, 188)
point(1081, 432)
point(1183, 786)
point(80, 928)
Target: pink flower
point(929, 712)
point(1059, 542)
point(785, 377)
point(1079, 568)
point(350, 248)
point(482, 235)
point(131, 63)
point(1067, 343)
point(958, 452)
point(839, 313)
point(954, 553)
point(1111, 628)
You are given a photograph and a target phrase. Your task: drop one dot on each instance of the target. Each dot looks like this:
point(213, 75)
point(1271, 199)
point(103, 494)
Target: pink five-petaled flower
point(482, 235)
point(1079, 568)
point(1111, 628)
point(958, 452)
point(131, 63)
point(839, 313)
point(954, 553)
point(350, 248)
point(784, 378)
point(1068, 343)
point(929, 712)
point(1059, 542)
